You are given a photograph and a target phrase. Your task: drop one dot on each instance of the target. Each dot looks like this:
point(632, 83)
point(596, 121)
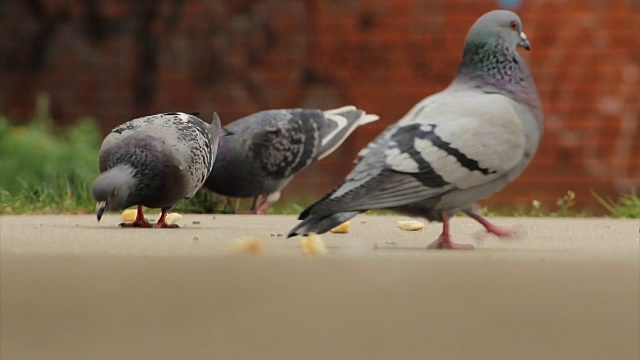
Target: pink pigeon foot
point(140, 221)
point(162, 222)
point(491, 228)
point(444, 240)
point(257, 209)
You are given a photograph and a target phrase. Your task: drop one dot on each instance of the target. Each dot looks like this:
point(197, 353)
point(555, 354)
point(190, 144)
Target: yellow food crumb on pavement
point(247, 246)
point(410, 225)
point(313, 244)
point(342, 228)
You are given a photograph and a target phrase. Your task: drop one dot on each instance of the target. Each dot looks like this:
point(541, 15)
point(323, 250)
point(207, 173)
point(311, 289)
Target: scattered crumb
point(172, 218)
point(342, 228)
point(195, 238)
point(410, 225)
point(129, 215)
point(195, 222)
point(247, 246)
point(313, 244)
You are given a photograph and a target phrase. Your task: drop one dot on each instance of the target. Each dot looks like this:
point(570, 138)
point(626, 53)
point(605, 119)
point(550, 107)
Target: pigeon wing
point(289, 145)
point(429, 154)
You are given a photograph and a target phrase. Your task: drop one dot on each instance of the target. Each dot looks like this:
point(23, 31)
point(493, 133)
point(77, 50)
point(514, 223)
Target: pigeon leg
point(140, 221)
point(268, 199)
point(444, 240)
point(162, 223)
point(494, 229)
point(254, 207)
point(262, 209)
point(259, 206)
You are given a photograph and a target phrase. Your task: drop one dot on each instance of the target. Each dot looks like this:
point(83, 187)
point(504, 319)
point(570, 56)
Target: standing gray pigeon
point(453, 148)
point(270, 147)
point(155, 161)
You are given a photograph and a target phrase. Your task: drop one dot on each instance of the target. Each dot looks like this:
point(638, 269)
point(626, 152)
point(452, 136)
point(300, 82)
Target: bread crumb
point(129, 215)
point(172, 218)
point(252, 246)
point(342, 228)
point(313, 244)
point(410, 225)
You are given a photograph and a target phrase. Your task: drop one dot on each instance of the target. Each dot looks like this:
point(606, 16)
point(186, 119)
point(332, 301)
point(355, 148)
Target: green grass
point(564, 207)
point(35, 154)
point(65, 196)
point(47, 170)
point(627, 206)
point(59, 196)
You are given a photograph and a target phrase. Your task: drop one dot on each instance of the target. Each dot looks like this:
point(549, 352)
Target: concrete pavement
point(72, 288)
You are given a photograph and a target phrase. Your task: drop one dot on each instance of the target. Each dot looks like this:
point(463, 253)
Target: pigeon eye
point(513, 25)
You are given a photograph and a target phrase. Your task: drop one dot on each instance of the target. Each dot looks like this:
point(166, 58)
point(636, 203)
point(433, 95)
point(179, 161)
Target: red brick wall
point(116, 60)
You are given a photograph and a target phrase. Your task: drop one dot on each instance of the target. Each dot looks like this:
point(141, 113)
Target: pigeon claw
point(501, 232)
point(140, 220)
point(164, 225)
point(137, 223)
point(491, 227)
point(444, 242)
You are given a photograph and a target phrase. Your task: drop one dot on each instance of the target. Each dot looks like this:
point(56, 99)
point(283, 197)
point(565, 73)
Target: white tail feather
point(368, 118)
point(340, 110)
point(340, 120)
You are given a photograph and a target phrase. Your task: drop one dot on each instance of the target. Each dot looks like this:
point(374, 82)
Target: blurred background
point(77, 68)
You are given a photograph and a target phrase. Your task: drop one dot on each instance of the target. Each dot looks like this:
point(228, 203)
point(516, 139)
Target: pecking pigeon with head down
point(453, 148)
point(155, 161)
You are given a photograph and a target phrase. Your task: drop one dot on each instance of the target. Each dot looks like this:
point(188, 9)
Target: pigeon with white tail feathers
point(155, 161)
point(453, 148)
point(270, 147)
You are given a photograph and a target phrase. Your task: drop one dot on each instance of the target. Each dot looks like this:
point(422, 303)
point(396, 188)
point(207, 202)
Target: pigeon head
point(111, 189)
point(498, 27)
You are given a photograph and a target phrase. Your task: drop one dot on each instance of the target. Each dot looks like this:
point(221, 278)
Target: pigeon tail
point(321, 223)
point(215, 121)
point(342, 122)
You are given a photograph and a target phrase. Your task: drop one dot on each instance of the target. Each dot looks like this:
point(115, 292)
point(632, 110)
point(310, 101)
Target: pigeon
point(155, 161)
point(270, 147)
point(453, 148)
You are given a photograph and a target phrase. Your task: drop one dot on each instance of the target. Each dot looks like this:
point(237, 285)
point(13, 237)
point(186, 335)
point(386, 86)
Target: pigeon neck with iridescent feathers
point(494, 66)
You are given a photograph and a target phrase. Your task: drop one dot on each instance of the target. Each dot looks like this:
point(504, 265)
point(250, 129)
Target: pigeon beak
point(101, 206)
point(524, 42)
